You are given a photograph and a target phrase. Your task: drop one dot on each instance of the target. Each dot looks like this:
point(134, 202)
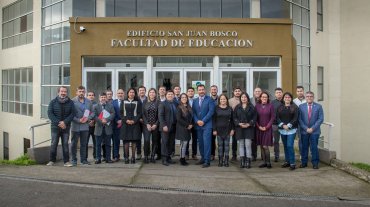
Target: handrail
point(330, 125)
point(32, 128)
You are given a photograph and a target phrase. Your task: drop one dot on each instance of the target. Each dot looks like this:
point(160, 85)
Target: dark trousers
point(138, 143)
point(106, 139)
point(194, 143)
point(254, 148)
point(213, 145)
point(64, 136)
point(276, 134)
point(147, 135)
point(82, 136)
point(167, 139)
point(234, 146)
point(116, 142)
point(91, 133)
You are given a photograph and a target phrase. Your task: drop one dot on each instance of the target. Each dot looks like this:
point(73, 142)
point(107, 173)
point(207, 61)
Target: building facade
point(111, 44)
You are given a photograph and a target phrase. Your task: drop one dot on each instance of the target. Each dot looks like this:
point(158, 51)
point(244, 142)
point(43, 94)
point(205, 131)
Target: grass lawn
point(23, 160)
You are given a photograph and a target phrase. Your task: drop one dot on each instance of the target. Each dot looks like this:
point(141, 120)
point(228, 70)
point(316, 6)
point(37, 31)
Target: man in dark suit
point(103, 127)
point(203, 109)
point(167, 126)
point(310, 120)
point(117, 123)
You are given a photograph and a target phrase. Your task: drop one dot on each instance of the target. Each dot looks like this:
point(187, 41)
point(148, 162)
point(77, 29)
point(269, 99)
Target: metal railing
point(32, 128)
point(325, 137)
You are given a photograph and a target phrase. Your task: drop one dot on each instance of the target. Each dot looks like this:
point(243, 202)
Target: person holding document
point(103, 115)
point(80, 125)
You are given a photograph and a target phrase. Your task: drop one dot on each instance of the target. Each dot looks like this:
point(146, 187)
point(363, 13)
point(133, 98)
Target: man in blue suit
point(310, 120)
point(203, 109)
point(117, 124)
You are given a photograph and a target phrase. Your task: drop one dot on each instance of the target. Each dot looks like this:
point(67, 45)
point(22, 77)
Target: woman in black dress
point(184, 117)
point(245, 117)
point(223, 129)
point(150, 118)
point(131, 111)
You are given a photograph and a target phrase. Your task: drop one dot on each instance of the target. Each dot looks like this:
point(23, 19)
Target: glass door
point(195, 77)
point(98, 81)
point(168, 78)
point(266, 79)
point(233, 79)
point(130, 79)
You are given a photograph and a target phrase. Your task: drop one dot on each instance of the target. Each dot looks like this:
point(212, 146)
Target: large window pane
point(5, 76)
point(211, 8)
point(183, 61)
point(66, 52)
point(232, 8)
point(84, 8)
point(56, 54)
point(305, 37)
point(66, 75)
point(46, 16)
point(192, 78)
point(66, 31)
point(189, 8)
point(275, 9)
point(29, 22)
point(167, 79)
point(109, 8)
point(46, 73)
point(56, 33)
point(246, 8)
point(125, 8)
point(66, 9)
point(265, 80)
point(98, 81)
point(46, 58)
point(297, 17)
point(297, 34)
point(146, 8)
point(168, 8)
point(56, 75)
point(238, 61)
point(130, 79)
point(96, 61)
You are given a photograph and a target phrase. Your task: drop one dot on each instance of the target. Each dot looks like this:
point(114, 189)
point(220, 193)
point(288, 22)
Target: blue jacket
point(55, 112)
point(317, 117)
point(203, 113)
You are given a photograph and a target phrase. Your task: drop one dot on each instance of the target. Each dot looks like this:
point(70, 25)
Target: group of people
point(164, 116)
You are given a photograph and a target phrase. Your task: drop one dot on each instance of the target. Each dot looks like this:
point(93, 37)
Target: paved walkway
point(325, 182)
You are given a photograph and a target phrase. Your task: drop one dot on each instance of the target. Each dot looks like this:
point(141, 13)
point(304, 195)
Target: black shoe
point(315, 167)
point(205, 165)
point(254, 159)
point(233, 158)
point(133, 160)
point(97, 161)
point(220, 161)
point(170, 161)
point(226, 163)
point(285, 165)
point(248, 163)
point(262, 165)
point(276, 159)
point(146, 160)
point(269, 166)
point(138, 157)
point(158, 157)
point(103, 160)
point(183, 162)
point(164, 162)
point(200, 162)
point(127, 161)
point(242, 162)
point(109, 161)
point(303, 166)
point(292, 167)
point(152, 160)
point(194, 157)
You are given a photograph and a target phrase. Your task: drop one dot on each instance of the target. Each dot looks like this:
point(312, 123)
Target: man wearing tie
point(310, 120)
point(203, 109)
point(117, 124)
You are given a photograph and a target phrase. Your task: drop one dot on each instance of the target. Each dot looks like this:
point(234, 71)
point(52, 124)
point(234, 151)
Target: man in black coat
point(60, 112)
point(167, 126)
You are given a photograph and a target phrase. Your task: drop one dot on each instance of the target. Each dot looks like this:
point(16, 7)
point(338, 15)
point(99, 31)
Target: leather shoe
point(194, 157)
point(170, 161)
point(97, 161)
point(263, 165)
point(109, 161)
point(315, 167)
point(165, 163)
point(285, 165)
point(303, 166)
point(292, 167)
point(200, 162)
point(269, 166)
point(205, 165)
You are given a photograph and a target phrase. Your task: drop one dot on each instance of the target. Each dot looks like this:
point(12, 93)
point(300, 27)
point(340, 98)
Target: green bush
point(22, 160)
point(362, 166)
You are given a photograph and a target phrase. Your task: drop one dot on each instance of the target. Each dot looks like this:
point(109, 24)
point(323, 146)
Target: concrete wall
point(355, 74)
point(16, 57)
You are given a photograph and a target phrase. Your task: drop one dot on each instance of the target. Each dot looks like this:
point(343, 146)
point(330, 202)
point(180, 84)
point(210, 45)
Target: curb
point(346, 167)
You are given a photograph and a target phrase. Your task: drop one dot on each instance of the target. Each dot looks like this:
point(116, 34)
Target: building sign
point(181, 39)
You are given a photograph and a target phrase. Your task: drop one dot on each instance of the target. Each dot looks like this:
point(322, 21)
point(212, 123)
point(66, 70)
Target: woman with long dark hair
point(223, 129)
point(131, 111)
point(184, 117)
point(245, 117)
point(150, 119)
point(265, 118)
point(287, 120)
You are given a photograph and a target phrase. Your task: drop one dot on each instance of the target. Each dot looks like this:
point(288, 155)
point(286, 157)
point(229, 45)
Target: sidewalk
point(326, 181)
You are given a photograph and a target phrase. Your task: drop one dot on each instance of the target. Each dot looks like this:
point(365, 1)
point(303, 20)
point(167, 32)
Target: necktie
point(200, 101)
point(309, 112)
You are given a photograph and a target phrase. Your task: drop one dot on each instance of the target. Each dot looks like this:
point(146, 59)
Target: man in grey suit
point(103, 127)
point(167, 126)
point(80, 125)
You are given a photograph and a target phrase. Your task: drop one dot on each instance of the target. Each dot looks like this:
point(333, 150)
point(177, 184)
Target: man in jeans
point(60, 112)
point(80, 125)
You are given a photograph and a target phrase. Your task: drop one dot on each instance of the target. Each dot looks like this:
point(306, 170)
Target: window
point(17, 24)
point(17, 91)
point(6, 145)
point(320, 20)
point(275, 9)
point(320, 83)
